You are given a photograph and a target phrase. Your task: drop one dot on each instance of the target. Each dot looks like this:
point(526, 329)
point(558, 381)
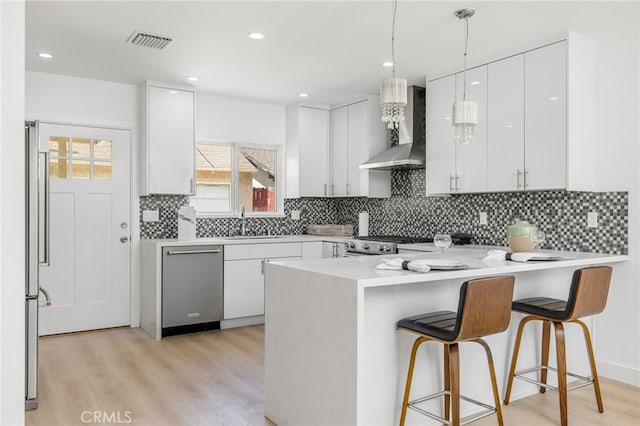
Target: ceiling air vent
point(149, 40)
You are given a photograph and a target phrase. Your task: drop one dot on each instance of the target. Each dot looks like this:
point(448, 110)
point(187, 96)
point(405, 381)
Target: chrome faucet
point(243, 225)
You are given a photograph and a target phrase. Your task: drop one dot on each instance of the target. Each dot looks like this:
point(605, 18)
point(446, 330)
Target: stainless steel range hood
point(410, 152)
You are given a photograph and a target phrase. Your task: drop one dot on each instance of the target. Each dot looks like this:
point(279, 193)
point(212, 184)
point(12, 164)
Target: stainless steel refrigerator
point(37, 249)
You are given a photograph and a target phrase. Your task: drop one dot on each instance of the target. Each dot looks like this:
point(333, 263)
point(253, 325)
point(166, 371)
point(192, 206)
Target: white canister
point(363, 224)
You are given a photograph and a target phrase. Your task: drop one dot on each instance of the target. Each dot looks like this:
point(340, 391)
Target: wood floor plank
point(216, 378)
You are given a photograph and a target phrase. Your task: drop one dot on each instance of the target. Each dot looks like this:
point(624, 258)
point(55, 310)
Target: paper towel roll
point(186, 223)
point(363, 224)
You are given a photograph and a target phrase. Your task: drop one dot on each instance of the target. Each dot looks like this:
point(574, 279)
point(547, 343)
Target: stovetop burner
point(396, 239)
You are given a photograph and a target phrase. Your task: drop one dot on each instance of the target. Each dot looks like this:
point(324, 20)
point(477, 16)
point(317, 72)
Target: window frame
point(234, 187)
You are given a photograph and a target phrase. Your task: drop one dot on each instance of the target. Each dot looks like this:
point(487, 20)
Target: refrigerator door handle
point(45, 256)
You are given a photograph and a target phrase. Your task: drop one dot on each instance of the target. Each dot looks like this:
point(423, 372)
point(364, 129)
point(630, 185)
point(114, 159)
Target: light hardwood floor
point(215, 378)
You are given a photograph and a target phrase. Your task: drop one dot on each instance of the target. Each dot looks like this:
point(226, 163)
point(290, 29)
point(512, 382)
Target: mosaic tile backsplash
point(562, 215)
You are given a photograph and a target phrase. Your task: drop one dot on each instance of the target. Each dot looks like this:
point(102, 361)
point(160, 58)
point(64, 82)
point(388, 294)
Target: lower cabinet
point(244, 275)
point(332, 249)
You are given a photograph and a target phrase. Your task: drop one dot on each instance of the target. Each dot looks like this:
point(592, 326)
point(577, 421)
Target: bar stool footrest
point(488, 409)
point(583, 381)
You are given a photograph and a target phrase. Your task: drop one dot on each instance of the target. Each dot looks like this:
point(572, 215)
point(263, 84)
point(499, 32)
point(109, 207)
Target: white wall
point(12, 223)
point(240, 120)
point(617, 330)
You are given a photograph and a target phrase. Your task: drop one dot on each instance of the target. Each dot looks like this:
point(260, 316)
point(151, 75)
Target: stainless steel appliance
point(381, 244)
point(37, 249)
point(192, 292)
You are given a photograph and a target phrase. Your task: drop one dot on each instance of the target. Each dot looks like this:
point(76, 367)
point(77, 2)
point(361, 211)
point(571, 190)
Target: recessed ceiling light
point(192, 78)
point(510, 126)
point(446, 118)
point(304, 95)
point(554, 98)
point(474, 83)
point(256, 36)
point(173, 92)
point(45, 55)
point(387, 64)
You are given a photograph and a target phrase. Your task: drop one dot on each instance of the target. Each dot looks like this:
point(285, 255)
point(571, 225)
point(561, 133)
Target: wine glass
point(537, 238)
point(442, 241)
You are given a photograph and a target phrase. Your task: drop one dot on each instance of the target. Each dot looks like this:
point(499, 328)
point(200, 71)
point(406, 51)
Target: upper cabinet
point(357, 134)
point(535, 119)
point(325, 147)
point(307, 151)
point(450, 166)
point(168, 140)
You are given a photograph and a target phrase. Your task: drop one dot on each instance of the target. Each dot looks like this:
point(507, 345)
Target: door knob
point(124, 239)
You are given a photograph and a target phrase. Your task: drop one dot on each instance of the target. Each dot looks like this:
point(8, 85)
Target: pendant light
point(393, 91)
point(465, 113)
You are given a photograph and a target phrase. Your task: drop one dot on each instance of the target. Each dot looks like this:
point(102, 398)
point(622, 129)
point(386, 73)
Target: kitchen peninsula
point(332, 352)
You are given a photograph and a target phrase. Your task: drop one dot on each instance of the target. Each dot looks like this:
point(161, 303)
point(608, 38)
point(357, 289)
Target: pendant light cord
point(393, 39)
point(466, 43)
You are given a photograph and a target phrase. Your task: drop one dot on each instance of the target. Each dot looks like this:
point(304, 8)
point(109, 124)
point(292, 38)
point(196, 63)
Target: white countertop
point(362, 268)
point(248, 240)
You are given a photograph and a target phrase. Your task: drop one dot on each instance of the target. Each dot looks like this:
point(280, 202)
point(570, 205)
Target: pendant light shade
point(393, 98)
point(465, 118)
point(465, 113)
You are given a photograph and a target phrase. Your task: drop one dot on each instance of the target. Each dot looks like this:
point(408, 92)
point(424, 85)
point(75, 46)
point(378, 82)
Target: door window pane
point(58, 146)
point(257, 179)
point(102, 170)
point(58, 168)
point(81, 148)
point(81, 169)
point(102, 149)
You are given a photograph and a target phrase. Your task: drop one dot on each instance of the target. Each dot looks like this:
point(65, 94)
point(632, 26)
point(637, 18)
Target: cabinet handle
point(348, 189)
point(526, 173)
point(451, 189)
point(325, 189)
point(456, 180)
point(193, 186)
point(333, 189)
point(518, 175)
point(193, 252)
point(262, 265)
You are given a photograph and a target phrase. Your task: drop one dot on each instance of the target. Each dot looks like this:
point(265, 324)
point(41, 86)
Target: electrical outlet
point(483, 218)
point(295, 214)
point(150, 215)
point(592, 220)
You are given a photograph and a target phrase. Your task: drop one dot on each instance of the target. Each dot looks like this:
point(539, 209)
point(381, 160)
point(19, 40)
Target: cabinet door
point(546, 117)
point(440, 147)
point(171, 141)
point(314, 144)
point(505, 159)
point(312, 250)
point(471, 159)
point(357, 147)
point(339, 151)
point(243, 288)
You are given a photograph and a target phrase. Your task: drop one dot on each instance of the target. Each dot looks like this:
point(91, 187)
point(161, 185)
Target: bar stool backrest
point(589, 291)
point(484, 307)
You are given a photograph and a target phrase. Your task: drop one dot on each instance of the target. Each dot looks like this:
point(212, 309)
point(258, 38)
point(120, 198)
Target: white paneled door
point(88, 275)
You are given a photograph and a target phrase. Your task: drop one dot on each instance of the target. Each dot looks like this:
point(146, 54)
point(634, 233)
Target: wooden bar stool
point(587, 296)
point(484, 308)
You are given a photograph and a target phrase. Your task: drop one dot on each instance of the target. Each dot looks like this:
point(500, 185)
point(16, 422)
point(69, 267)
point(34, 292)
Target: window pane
point(102, 170)
point(81, 169)
point(213, 178)
point(58, 146)
point(81, 148)
point(102, 149)
point(257, 179)
point(58, 168)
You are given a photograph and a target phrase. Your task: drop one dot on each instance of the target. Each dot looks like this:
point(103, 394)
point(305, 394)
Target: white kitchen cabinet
point(332, 249)
point(307, 151)
point(450, 166)
point(312, 250)
point(168, 140)
point(545, 106)
point(357, 134)
point(244, 275)
point(505, 157)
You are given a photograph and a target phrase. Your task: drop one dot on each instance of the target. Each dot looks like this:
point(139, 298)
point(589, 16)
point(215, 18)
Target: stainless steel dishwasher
point(192, 289)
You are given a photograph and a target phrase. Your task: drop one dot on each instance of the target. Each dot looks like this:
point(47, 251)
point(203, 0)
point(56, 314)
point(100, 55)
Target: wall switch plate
point(295, 214)
point(483, 218)
point(592, 220)
point(150, 215)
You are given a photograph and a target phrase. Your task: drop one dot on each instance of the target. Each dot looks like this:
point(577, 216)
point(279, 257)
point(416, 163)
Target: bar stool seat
point(587, 296)
point(484, 308)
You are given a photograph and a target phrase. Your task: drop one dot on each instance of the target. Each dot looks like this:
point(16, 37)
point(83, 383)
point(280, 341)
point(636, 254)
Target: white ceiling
point(332, 50)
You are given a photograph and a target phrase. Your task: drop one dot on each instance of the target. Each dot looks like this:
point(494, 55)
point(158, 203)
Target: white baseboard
point(242, 322)
point(621, 373)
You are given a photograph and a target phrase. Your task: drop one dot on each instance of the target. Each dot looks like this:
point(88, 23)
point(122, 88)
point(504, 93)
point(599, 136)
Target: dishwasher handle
point(194, 251)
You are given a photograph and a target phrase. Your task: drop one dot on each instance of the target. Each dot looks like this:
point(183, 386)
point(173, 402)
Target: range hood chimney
point(409, 153)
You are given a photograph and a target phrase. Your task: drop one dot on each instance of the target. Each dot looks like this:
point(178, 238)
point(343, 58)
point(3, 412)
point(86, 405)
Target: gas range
point(382, 244)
